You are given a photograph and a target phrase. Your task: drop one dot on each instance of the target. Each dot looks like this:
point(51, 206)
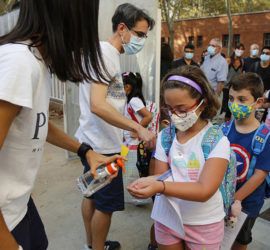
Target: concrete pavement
point(58, 202)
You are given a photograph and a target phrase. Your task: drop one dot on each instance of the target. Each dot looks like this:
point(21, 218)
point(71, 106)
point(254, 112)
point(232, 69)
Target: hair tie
point(186, 81)
point(126, 73)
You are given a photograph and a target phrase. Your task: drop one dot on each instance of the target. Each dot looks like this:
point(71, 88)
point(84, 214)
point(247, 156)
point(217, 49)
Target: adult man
point(262, 68)
point(252, 58)
point(100, 126)
point(215, 66)
point(187, 59)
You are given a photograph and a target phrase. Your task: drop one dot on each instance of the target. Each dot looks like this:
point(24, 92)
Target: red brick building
point(248, 28)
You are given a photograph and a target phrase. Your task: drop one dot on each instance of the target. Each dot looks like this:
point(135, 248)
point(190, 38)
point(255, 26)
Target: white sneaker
point(86, 247)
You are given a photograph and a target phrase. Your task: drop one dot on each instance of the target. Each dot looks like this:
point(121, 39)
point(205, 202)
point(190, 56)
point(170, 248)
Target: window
point(225, 40)
point(266, 39)
point(199, 41)
point(236, 39)
point(191, 40)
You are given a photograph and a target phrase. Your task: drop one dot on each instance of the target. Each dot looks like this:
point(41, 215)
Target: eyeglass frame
point(182, 113)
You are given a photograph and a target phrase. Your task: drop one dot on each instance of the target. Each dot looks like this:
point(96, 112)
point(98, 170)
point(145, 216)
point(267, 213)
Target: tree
point(228, 9)
point(170, 10)
point(6, 5)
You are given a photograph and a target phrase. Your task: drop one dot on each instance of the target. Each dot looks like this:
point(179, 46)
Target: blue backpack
point(209, 141)
point(258, 143)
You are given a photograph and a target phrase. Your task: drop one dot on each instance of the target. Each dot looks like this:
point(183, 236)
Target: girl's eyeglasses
point(178, 112)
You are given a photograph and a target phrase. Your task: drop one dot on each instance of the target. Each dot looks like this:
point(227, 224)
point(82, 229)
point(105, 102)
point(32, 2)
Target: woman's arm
point(100, 107)
point(60, 139)
point(8, 112)
point(201, 191)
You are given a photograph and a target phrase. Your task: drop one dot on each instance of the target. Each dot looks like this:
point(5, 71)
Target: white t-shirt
point(135, 104)
point(24, 81)
point(103, 137)
point(187, 162)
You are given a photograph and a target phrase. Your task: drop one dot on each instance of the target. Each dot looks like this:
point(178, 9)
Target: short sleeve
point(221, 150)
point(223, 71)
point(19, 72)
point(160, 153)
point(136, 104)
point(263, 160)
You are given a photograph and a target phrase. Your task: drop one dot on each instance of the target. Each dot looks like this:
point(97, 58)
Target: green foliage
point(6, 5)
point(202, 8)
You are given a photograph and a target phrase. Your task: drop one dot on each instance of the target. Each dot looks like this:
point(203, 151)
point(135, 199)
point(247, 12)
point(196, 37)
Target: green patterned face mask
point(240, 111)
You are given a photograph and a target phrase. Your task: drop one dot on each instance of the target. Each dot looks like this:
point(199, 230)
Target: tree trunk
point(171, 36)
point(228, 8)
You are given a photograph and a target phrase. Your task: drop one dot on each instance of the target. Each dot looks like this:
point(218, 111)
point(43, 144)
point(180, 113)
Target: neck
point(248, 124)
point(187, 61)
point(115, 41)
point(253, 57)
point(265, 64)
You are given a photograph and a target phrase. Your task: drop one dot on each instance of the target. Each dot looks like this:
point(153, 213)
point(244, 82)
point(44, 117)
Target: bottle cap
point(113, 167)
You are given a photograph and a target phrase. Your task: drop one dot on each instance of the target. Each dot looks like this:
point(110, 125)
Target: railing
point(57, 89)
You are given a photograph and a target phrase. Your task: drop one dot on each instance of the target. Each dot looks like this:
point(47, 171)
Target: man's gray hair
point(218, 41)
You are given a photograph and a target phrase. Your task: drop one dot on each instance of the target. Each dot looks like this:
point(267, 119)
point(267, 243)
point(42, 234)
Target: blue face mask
point(265, 58)
point(254, 52)
point(189, 55)
point(134, 46)
point(211, 50)
point(240, 111)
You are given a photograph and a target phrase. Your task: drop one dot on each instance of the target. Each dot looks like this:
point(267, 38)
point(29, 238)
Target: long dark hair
point(232, 57)
point(67, 33)
point(135, 80)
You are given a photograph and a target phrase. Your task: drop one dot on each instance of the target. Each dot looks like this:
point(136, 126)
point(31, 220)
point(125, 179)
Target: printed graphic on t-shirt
point(116, 89)
point(193, 167)
point(243, 162)
point(186, 171)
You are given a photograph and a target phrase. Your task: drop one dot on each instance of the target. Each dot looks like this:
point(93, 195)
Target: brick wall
point(250, 27)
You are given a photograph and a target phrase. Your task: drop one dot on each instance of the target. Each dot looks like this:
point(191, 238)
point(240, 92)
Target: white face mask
point(239, 52)
point(186, 122)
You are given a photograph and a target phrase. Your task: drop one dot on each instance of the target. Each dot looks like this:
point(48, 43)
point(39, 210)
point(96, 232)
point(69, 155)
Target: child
point(134, 109)
point(245, 95)
point(190, 103)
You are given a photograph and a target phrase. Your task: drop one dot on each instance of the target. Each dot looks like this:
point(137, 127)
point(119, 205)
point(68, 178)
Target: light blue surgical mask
point(254, 52)
point(135, 44)
point(264, 58)
point(211, 50)
point(189, 55)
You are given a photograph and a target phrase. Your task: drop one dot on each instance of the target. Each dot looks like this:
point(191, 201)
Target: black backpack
point(143, 160)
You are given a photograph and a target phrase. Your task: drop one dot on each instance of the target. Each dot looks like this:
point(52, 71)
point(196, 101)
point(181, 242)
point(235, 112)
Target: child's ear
point(260, 102)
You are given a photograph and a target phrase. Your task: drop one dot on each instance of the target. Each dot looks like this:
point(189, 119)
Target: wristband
point(83, 149)
point(164, 187)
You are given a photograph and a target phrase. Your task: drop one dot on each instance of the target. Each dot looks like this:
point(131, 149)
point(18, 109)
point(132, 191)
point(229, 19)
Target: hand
point(236, 208)
point(133, 135)
point(145, 187)
point(95, 160)
point(148, 137)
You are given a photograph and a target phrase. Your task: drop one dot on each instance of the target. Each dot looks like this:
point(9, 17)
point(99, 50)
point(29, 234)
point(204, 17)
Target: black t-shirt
point(264, 73)
point(248, 61)
point(182, 62)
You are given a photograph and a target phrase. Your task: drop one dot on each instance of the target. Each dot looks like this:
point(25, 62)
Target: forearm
point(60, 139)
point(6, 239)
point(145, 121)
point(250, 186)
point(220, 87)
point(109, 114)
point(187, 191)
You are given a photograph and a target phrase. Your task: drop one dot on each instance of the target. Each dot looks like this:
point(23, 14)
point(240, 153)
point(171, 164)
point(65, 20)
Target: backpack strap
point(258, 143)
point(210, 140)
point(167, 136)
point(226, 127)
point(131, 112)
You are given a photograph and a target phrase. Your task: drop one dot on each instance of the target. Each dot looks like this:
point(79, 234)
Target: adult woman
point(51, 36)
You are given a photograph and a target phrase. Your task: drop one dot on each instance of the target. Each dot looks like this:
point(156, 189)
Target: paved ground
point(58, 202)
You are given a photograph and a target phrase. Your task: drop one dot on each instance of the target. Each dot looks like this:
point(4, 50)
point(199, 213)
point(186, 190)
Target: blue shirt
point(216, 69)
point(241, 144)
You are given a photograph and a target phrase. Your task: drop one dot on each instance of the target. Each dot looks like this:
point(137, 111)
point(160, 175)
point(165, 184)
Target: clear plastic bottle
point(88, 185)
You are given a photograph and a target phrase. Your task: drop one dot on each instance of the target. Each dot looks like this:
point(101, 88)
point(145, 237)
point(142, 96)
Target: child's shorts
point(245, 237)
point(197, 237)
point(111, 197)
